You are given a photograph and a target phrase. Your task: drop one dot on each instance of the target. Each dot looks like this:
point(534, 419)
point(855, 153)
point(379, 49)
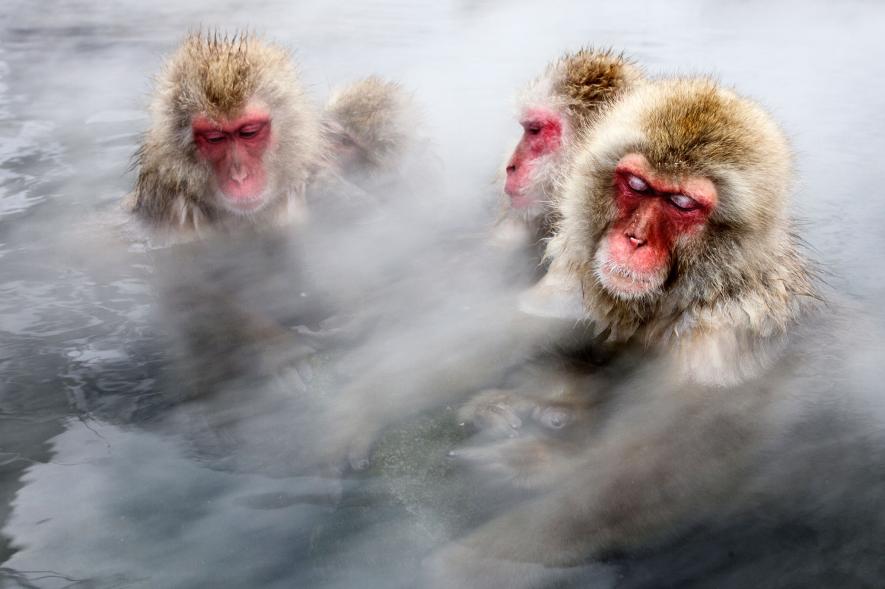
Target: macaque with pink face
point(232, 140)
point(676, 241)
point(554, 111)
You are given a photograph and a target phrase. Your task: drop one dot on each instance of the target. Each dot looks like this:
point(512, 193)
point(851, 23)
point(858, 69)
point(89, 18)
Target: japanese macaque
point(675, 239)
point(555, 111)
point(650, 270)
point(370, 124)
point(232, 139)
point(377, 150)
point(675, 231)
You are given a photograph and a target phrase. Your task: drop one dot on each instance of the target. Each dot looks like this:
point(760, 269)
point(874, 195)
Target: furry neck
point(715, 336)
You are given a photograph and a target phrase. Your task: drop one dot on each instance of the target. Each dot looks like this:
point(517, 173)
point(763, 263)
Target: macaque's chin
point(242, 203)
point(526, 204)
point(519, 200)
point(625, 283)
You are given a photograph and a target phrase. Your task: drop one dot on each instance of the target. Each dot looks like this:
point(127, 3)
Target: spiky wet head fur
point(579, 84)
point(217, 76)
point(378, 115)
point(742, 275)
point(589, 79)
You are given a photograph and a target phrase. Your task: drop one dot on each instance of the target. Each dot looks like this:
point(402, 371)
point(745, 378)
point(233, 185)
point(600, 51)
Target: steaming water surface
point(94, 493)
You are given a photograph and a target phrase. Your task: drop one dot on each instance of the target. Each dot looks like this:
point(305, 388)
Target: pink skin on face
point(235, 149)
point(652, 212)
point(542, 136)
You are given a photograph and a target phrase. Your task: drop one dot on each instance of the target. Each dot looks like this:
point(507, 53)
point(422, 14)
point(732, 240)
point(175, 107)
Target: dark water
point(105, 482)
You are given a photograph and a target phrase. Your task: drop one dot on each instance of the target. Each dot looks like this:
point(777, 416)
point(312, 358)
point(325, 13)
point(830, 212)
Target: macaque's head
point(676, 200)
point(556, 108)
point(232, 132)
point(370, 125)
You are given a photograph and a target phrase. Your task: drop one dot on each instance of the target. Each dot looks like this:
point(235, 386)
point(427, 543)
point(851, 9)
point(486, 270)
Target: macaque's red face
point(531, 166)
point(235, 149)
point(653, 211)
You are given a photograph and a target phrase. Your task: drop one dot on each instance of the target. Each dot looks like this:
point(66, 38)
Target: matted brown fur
point(590, 78)
point(217, 76)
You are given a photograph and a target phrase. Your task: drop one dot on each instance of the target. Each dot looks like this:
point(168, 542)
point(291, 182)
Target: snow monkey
point(554, 111)
point(232, 139)
point(377, 152)
point(679, 267)
point(674, 229)
point(370, 125)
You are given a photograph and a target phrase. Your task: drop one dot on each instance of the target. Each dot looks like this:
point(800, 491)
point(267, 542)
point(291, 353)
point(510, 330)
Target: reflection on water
point(115, 473)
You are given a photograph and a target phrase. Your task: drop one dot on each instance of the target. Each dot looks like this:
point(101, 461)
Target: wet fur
point(217, 76)
point(741, 283)
point(378, 115)
point(712, 383)
point(578, 86)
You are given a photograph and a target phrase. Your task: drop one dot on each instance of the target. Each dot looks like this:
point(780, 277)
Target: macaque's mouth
point(248, 189)
point(247, 203)
point(243, 195)
point(520, 201)
point(622, 281)
point(244, 202)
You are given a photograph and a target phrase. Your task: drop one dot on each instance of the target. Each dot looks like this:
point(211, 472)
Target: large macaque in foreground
point(664, 252)
point(676, 239)
point(232, 141)
point(676, 234)
point(555, 110)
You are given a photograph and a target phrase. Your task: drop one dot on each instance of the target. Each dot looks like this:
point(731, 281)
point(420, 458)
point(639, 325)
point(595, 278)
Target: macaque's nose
point(238, 174)
point(510, 169)
point(636, 241)
point(638, 229)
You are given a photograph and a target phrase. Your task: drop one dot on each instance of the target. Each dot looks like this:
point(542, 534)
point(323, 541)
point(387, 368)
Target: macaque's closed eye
point(249, 131)
point(637, 184)
point(214, 137)
point(682, 202)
